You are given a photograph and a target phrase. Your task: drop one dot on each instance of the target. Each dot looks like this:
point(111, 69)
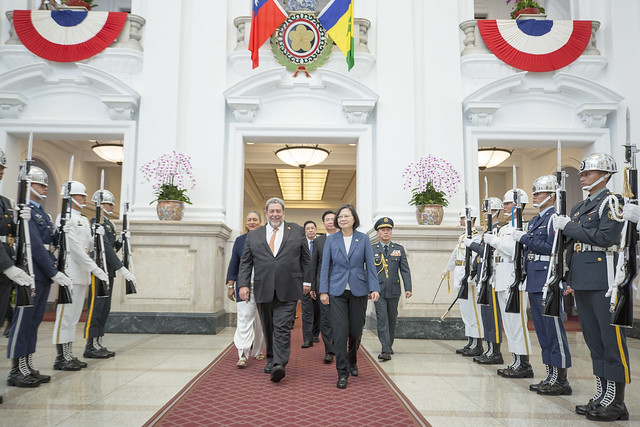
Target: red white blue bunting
point(67, 35)
point(536, 45)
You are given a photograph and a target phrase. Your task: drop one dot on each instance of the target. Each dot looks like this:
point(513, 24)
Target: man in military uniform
point(538, 243)
point(99, 308)
point(391, 262)
point(469, 308)
point(24, 328)
point(79, 266)
point(593, 231)
point(491, 318)
point(515, 324)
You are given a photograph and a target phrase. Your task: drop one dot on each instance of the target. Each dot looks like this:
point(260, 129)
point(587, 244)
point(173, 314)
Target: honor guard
point(80, 266)
point(491, 318)
point(99, 307)
point(538, 242)
point(593, 231)
point(391, 262)
point(515, 324)
point(469, 308)
point(24, 328)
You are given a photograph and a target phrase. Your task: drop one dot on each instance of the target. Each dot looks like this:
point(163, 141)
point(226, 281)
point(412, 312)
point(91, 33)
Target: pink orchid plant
point(170, 174)
point(431, 179)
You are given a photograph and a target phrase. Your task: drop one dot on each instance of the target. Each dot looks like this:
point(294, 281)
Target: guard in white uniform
point(79, 267)
point(515, 324)
point(469, 308)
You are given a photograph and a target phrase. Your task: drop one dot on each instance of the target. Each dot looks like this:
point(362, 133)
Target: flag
point(337, 19)
point(267, 16)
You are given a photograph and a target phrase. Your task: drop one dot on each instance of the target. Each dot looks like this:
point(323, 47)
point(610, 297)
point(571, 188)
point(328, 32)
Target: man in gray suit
point(391, 262)
point(278, 255)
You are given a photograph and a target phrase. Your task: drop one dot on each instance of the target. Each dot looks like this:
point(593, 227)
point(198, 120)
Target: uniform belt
point(459, 262)
point(501, 259)
point(584, 247)
point(51, 248)
point(536, 257)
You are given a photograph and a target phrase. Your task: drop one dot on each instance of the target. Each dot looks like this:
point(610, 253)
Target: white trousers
point(68, 315)
point(515, 324)
point(248, 328)
point(470, 312)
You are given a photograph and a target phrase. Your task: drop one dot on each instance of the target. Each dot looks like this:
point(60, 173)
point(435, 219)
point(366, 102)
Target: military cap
point(383, 222)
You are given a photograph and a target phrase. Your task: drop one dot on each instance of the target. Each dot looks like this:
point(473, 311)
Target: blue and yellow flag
point(337, 19)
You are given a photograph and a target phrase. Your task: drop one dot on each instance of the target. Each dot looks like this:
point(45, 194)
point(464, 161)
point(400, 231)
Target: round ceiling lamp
point(302, 155)
point(490, 157)
point(110, 152)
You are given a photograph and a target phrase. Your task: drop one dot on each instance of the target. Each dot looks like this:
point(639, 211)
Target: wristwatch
point(230, 286)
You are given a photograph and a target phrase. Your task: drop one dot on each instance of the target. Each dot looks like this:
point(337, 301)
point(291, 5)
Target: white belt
point(504, 260)
point(584, 247)
point(3, 239)
point(536, 257)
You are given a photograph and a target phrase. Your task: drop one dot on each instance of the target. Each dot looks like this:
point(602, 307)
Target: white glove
point(445, 274)
point(523, 285)
point(67, 227)
point(63, 279)
point(99, 230)
point(467, 242)
point(100, 274)
point(18, 275)
point(127, 234)
point(25, 213)
point(491, 239)
point(517, 235)
point(560, 221)
point(631, 213)
point(127, 274)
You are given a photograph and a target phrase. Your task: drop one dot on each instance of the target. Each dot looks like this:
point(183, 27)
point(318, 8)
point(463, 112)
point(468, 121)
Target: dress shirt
point(279, 235)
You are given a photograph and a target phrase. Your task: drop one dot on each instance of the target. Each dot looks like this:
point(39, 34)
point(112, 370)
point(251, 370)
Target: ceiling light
point(110, 152)
point(490, 157)
point(302, 155)
point(302, 184)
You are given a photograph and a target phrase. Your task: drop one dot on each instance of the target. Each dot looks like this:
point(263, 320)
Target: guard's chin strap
point(537, 205)
point(106, 212)
point(78, 204)
point(602, 178)
point(40, 196)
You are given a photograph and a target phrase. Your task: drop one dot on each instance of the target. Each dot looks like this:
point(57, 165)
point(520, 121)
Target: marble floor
point(150, 369)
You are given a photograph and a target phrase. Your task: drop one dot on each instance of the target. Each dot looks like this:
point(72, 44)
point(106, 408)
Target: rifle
point(621, 306)
point(551, 292)
point(102, 287)
point(24, 296)
point(64, 295)
point(126, 250)
point(463, 292)
point(513, 299)
point(484, 294)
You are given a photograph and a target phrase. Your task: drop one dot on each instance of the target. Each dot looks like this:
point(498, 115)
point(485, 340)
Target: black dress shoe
point(17, 379)
point(307, 344)
point(471, 352)
point(62, 364)
point(328, 358)
point(384, 357)
point(268, 368)
point(277, 373)
point(494, 359)
point(354, 370)
point(80, 362)
point(559, 388)
point(342, 382)
point(90, 352)
point(316, 339)
point(42, 379)
point(522, 371)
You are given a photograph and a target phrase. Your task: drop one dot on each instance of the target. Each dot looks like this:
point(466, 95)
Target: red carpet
point(571, 325)
point(224, 395)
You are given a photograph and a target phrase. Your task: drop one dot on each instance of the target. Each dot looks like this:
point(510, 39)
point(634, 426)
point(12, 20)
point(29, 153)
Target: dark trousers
point(325, 322)
point(348, 314)
point(98, 310)
point(387, 316)
point(26, 320)
point(310, 317)
point(551, 334)
point(6, 286)
point(276, 317)
point(608, 344)
point(492, 319)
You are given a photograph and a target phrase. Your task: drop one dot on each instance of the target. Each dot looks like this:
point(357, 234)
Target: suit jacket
point(234, 263)
point(588, 270)
point(278, 276)
point(316, 261)
point(538, 241)
point(357, 268)
point(396, 264)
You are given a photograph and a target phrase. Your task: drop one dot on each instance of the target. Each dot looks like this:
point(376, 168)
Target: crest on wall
point(301, 43)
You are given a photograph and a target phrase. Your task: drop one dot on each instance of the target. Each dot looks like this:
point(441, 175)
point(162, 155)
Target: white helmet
point(495, 204)
point(107, 197)
point(472, 210)
point(76, 188)
point(37, 176)
point(598, 162)
point(508, 196)
point(3, 159)
point(545, 184)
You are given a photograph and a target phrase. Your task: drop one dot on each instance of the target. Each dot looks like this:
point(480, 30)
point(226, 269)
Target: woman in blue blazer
point(347, 280)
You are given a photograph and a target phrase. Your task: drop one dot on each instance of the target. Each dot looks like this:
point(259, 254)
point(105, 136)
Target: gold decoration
point(301, 38)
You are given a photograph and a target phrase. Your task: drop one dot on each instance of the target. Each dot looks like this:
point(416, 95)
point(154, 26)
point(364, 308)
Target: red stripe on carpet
point(222, 394)
point(572, 324)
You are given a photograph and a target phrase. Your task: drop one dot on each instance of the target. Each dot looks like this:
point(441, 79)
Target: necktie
point(272, 241)
point(311, 247)
point(386, 250)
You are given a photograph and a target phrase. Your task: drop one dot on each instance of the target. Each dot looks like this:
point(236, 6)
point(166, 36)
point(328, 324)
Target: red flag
point(267, 16)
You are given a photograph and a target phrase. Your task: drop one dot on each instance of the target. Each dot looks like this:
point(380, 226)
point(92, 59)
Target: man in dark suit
point(328, 219)
point(391, 262)
point(310, 305)
point(279, 255)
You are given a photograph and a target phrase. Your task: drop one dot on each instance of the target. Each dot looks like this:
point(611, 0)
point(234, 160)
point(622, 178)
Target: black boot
point(75, 359)
point(35, 373)
point(535, 387)
point(491, 357)
point(466, 347)
point(475, 349)
point(612, 405)
point(93, 351)
point(20, 376)
point(522, 369)
point(595, 400)
point(63, 361)
point(515, 362)
point(559, 385)
point(111, 353)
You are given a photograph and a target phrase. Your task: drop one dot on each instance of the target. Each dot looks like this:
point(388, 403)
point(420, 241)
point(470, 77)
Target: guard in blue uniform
point(538, 243)
point(24, 328)
point(593, 231)
point(391, 262)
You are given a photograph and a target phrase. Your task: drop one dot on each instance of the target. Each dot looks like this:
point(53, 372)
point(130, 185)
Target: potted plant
point(431, 179)
point(170, 173)
point(528, 7)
